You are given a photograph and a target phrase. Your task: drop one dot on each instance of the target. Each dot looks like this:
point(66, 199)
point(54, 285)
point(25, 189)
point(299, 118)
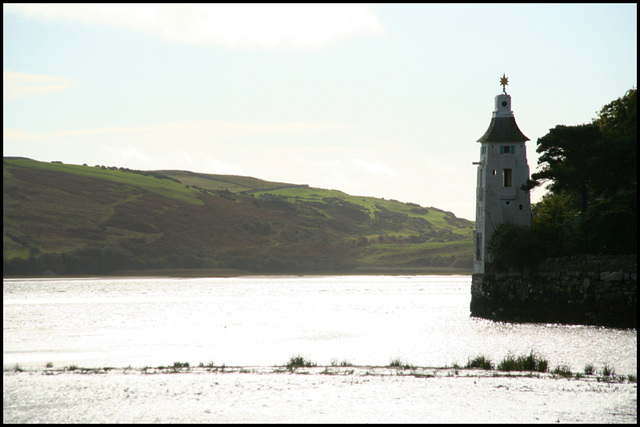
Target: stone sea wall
point(586, 290)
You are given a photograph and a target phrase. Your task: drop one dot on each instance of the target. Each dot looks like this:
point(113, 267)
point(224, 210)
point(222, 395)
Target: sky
point(381, 100)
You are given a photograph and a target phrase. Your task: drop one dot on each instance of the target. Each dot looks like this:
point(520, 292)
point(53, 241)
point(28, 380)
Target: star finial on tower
point(504, 81)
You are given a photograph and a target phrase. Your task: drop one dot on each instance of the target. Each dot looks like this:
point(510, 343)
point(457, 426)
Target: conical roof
point(503, 129)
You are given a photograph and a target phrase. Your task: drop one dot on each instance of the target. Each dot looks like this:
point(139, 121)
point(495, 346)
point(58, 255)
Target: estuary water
point(263, 321)
point(254, 325)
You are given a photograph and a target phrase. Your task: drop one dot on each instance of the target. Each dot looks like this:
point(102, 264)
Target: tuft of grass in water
point(542, 365)
point(609, 374)
point(632, 378)
point(299, 362)
point(608, 371)
point(532, 363)
point(342, 363)
point(398, 363)
point(49, 365)
point(481, 362)
point(208, 365)
point(509, 363)
point(563, 371)
point(589, 369)
point(179, 365)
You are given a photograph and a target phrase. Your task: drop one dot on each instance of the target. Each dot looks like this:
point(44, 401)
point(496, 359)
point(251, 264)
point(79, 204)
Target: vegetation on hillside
point(591, 207)
point(71, 219)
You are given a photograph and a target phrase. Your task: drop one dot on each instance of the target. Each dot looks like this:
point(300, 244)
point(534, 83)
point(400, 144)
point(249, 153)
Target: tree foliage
point(592, 175)
point(617, 165)
point(514, 248)
point(567, 157)
point(610, 226)
point(555, 221)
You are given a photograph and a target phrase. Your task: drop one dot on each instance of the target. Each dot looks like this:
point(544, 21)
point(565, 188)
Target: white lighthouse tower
point(502, 170)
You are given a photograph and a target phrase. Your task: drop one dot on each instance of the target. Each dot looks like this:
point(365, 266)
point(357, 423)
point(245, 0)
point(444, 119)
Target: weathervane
point(504, 81)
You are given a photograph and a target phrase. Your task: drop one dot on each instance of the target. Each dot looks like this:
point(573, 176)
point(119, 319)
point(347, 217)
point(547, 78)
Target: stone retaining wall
point(587, 290)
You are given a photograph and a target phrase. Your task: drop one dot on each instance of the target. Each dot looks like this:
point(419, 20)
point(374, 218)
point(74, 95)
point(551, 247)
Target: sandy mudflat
point(312, 395)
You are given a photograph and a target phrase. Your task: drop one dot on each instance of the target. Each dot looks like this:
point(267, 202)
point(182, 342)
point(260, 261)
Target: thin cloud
point(230, 25)
point(376, 168)
point(135, 154)
point(184, 129)
point(17, 85)
point(219, 167)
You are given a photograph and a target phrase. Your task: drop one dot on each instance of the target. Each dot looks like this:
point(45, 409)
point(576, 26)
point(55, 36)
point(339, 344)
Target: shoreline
point(227, 272)
point(531, 365)
point(330, 370)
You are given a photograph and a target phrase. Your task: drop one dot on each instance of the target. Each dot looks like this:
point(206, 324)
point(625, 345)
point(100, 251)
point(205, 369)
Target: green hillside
point(71, 219)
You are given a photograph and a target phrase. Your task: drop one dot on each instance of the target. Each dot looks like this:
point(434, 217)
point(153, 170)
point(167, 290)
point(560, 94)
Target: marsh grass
point(532, 363)
point(299, 362)
point(608, 371)
point(208, 365)
point(343, 363)
point(399, 363)
point(455, 369)
point(563, 371)
point(180, 365)
point(329, 371)
point(480, 362)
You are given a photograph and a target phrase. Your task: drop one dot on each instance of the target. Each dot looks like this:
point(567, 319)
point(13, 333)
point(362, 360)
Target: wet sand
point(312, 395)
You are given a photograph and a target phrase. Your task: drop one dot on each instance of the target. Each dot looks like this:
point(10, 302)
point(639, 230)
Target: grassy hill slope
point(71, 219)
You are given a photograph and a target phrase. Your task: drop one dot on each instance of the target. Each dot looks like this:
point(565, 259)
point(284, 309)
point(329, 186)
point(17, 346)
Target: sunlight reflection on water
point(263, 321)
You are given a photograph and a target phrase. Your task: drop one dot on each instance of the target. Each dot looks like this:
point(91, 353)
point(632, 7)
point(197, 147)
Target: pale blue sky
point(384, 100)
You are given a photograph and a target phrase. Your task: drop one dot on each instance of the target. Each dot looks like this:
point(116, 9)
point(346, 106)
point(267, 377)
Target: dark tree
point(592, 161)
point(568, 154)
point(617, 151)
point(592, 175)
point(555, 223)
point(514, 248)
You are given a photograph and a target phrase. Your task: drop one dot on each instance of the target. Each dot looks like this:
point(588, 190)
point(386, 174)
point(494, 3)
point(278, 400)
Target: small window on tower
point(507, 149)
point(506, 178)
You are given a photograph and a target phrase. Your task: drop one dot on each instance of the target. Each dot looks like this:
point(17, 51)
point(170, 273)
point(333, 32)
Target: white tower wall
point(502, 170)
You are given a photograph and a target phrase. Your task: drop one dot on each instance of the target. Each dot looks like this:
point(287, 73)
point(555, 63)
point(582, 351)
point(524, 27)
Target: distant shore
point(229, 272)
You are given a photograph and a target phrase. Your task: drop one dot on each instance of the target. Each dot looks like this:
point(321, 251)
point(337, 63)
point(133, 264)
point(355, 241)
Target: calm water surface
point(263, 321)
